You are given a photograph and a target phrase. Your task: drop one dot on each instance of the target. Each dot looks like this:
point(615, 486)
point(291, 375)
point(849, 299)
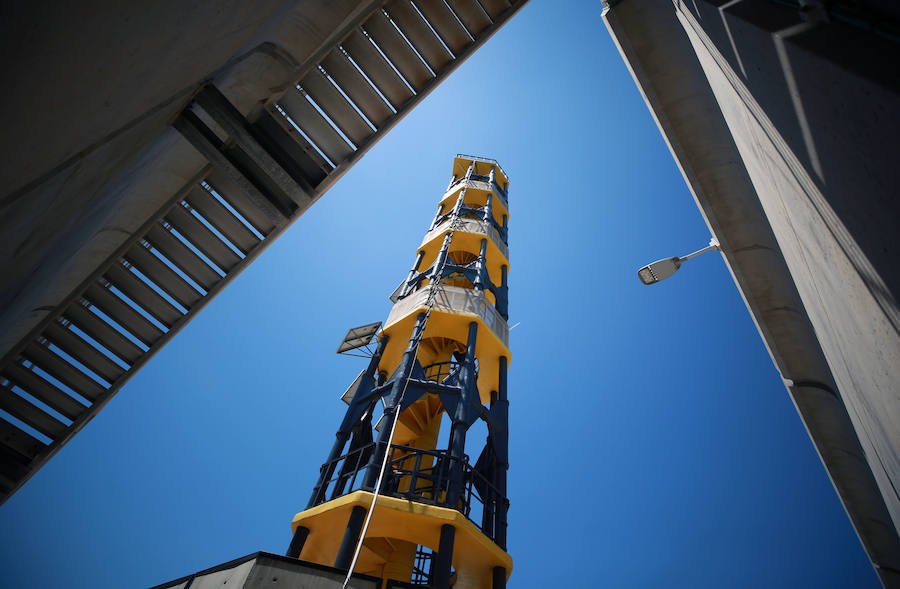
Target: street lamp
point(662, 269)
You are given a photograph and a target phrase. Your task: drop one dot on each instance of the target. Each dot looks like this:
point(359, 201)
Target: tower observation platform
point(388, 502)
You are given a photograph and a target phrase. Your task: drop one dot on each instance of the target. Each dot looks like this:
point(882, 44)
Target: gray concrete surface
point(263, 570)
point(94, 180)
point(809, 289)
point(101, 158)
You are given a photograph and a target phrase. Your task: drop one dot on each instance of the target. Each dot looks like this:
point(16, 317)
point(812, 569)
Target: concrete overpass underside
point(154, 150)
point(783, 118)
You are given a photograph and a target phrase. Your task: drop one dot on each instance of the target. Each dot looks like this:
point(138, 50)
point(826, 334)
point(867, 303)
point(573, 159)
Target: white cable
point(433, 287)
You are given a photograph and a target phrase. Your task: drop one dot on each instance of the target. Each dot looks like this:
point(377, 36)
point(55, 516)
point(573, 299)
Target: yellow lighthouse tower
point(390, 503)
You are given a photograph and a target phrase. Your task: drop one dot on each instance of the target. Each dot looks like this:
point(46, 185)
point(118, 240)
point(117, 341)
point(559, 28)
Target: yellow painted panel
point(475, 198)
point(461, 164)
point(474, 554)
point(468, 242)
point(455, 326)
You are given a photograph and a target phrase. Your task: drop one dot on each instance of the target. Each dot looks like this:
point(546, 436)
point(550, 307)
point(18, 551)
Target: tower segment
point(388, 501)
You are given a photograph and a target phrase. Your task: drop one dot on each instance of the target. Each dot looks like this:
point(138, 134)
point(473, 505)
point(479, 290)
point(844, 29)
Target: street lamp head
point(659, 270)
point(662, 269)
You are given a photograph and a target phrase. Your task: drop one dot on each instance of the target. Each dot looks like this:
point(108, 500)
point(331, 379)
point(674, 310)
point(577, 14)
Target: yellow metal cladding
point(476, 196)
point(467, 239)
point(474, 554)
point(452, 326)
point(461, 165)
point(453, 323)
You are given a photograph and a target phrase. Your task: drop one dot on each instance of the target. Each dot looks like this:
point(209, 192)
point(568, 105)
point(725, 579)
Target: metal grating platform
point(264, 170)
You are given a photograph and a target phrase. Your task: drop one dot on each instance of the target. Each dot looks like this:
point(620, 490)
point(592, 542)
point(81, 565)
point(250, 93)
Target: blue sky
point(652, 441)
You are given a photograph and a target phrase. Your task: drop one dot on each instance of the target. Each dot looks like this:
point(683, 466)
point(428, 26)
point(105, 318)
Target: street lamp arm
point(713, 245)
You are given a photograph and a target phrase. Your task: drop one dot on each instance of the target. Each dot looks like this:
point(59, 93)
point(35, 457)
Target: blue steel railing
point(489, 160)
point(481, 178)
point(418, 475)
point(476, 214)
point(439, 371)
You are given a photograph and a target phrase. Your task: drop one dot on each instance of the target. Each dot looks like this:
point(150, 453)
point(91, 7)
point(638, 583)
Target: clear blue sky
point(652, 441)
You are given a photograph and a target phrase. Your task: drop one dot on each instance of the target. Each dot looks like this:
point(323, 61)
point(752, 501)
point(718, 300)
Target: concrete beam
point(263, 569)
point(666, 68)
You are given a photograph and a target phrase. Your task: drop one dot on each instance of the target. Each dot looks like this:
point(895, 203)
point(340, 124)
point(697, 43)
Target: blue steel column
point(412, 273)
point(501, 414)
point(297, 542)
point(441, 260)
point(343, 433)
point(498, 578)
point(444, 558)
point(437, 216)
point(481, 266)
point(351, 537)
point(500, 411)
point(393, 398)
point(459, 427)
point(503, 293)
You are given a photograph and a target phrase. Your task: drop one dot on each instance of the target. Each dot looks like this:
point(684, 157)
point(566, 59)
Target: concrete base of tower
point(475, 556)
point(262, 570)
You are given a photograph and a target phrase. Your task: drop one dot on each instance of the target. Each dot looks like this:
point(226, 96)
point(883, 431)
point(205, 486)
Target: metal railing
point(479, 158)
point(500, 234)
point(489, 160)
point(417, 475)
point(454, 299)
point(479, 178)
point(421, 574)
point(439, 371)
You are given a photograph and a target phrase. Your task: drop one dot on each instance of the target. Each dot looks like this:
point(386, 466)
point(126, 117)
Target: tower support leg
point(318, 494)
point(343, 434)
point(469, 394)
point(498, 578)
point(297, 542)
point(443, 559)
point(502, 465)
point(402, 375)
point(351, 537)
point(457, 455)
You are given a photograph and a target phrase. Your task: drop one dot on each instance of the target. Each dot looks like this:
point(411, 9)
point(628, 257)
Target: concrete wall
point(828, 186)
point(786, 133)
